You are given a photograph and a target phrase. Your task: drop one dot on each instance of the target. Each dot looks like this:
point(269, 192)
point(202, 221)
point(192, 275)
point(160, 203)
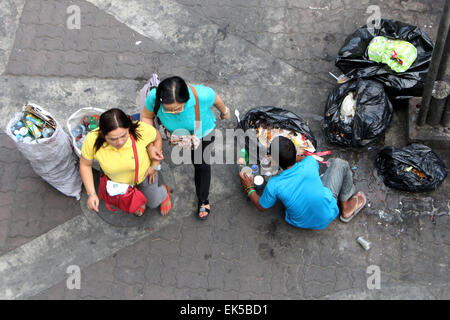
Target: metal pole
point(446, 116)
point(442, 70)
point(437, 104)
point(441, 89)
point(435, 62)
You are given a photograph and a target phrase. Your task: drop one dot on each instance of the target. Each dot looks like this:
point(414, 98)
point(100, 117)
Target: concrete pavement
point(256, 53)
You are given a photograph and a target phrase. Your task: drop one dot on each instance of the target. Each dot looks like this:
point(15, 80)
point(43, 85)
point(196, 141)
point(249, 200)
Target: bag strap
point(197, 108)
point(323, 153)
point(109, 207)
point(317, 156)
point(136, 160)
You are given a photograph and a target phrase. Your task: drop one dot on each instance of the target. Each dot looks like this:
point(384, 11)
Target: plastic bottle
point(265, 165)
point(93, 122)
point(78, 130)
point(23, 131)
point(34, 130)
point(16, 127)
point(47, 132)
point(244, 154)
point(255, 169)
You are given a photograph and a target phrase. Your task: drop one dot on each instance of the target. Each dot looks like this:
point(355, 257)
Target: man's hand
point(155, 154)
point(246, 180)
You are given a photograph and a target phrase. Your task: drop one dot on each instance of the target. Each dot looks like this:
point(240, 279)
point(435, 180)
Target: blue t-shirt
point(186, 119)
point(308, 203)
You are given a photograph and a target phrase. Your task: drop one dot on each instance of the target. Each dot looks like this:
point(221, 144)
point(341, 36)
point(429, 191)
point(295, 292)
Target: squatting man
point(311, 201)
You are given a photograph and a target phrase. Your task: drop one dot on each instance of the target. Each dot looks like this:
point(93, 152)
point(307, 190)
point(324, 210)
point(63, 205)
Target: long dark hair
point(170, 90)
point(111, 120)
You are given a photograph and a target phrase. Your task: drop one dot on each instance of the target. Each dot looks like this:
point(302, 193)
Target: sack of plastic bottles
point(80, 123)
point(50, 156)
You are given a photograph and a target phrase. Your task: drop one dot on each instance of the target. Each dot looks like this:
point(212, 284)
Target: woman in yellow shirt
point(111, 146)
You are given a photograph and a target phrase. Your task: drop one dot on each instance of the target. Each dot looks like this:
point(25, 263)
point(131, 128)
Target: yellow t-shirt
point(118, 164)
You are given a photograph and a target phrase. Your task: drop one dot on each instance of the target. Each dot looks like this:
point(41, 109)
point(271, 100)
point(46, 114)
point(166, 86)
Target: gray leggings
point(155, 194)
point(339, 179)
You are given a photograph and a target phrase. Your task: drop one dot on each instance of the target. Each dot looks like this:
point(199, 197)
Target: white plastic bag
point(348, 107)
point(75, 119)
point(51, 158)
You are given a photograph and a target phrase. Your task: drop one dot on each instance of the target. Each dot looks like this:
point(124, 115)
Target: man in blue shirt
point(311, 201)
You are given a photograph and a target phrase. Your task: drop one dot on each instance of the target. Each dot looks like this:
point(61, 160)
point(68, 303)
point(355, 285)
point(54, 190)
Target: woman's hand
point(155, 154)
point(151, 174)
point(224, 111)
point(92, 202)
point(226, 114)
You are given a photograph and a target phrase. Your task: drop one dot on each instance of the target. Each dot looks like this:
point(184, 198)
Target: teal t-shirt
point(308, 203)
point(185, 120)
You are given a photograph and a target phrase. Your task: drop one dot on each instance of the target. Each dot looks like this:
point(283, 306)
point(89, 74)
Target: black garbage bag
point(276, 118)
point(414, 168)
point(372, 116)
point(354, 62)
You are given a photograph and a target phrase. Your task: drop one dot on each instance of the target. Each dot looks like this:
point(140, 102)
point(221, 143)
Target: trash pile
point(379, 66)
point(271, 122)
point(31, 126)
point(396, 54)
point(86, 125)
point(267, 134)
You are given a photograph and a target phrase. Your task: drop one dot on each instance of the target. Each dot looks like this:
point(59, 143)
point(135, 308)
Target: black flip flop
point(203, 209)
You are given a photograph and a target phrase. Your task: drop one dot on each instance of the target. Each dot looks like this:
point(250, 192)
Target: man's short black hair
point(285, 149)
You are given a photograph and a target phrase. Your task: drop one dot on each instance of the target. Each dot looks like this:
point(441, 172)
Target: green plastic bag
point(399, 55)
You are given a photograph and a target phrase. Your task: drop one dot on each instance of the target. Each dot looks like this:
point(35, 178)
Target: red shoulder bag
point(133, 199)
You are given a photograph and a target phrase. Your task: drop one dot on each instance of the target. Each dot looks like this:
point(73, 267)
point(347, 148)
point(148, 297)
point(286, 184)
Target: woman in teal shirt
point(174, 103)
